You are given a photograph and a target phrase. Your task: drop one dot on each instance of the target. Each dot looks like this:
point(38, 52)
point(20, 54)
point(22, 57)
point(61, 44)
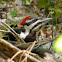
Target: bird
point(29, 29)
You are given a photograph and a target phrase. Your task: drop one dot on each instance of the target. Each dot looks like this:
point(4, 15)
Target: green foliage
point(25, 1)
point(51, 4)
point(28, 0)
point(57, 9)
point(2, 37)
point(6, 37)
point(53, 16)
point(7, 0)
point(57, 45)
point(42, 4)
point(3, 0)
point(13, 13)
point(0, 0)
point(3, 29)
point(13, 25)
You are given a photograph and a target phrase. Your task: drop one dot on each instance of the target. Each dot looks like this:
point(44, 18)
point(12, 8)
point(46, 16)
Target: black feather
point(30, 37)
point(11, 37)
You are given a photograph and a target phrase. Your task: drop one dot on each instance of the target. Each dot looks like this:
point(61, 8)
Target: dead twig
point(4, 31)
point(26, 54)
point(12, 31)
point(31, 46)
point(19, 52)
point(22, 56)
point(32, 58)
point(28, 49)
point(9, 32)
point(37, 56)
point(36, 42)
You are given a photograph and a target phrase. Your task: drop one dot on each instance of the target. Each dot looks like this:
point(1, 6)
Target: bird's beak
point(39, 23)
point(46, 19)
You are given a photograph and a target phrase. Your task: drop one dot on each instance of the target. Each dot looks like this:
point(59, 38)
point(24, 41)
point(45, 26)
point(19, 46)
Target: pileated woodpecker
point(28, 31)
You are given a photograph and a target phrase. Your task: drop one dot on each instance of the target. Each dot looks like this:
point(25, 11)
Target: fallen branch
point(40, 47)
point(8, 50)
point(25, 52)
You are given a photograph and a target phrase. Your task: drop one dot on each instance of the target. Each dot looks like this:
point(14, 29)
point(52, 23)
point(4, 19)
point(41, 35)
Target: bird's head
point(34, 23)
